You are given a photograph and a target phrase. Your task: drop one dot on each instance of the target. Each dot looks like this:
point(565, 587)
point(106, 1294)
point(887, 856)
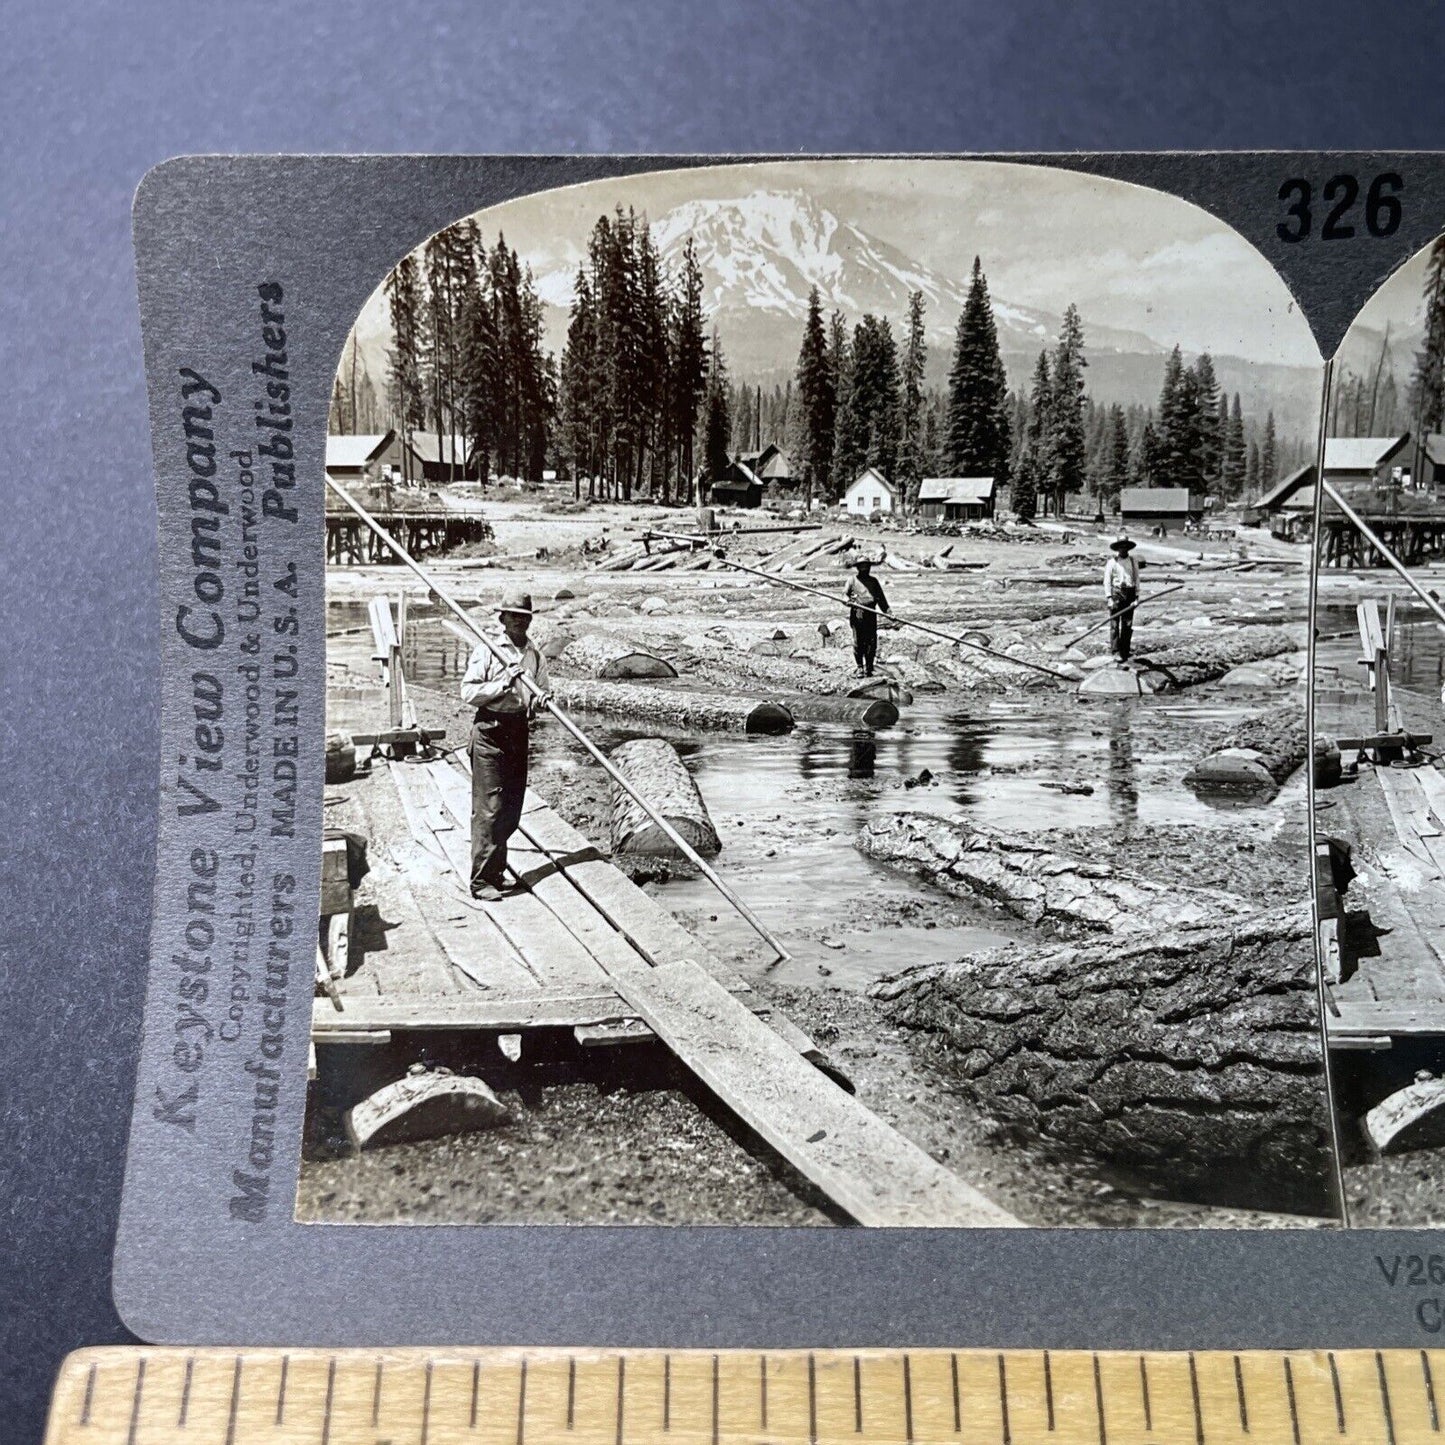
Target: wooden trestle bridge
point(349, 541)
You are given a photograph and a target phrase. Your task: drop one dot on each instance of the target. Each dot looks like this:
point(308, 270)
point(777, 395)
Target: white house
point(871, 494)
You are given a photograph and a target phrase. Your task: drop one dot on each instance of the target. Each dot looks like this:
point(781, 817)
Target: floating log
point(1187, 664)
point(1256, 756)
point(887, 688)
point(598, 655)
point(424, 1105)
point(669, 708)
point(1411, 1118)
point(1191, 1057)
point(1075, 896)
point(858, 712)
point(653, 767)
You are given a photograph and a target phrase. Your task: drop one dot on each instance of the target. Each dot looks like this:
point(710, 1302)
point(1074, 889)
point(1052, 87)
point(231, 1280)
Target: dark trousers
point(1121, 628)
point(499, 780)
point(865, 640)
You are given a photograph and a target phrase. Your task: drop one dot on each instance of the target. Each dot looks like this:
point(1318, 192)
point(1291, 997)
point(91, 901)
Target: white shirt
point(1121, 572)
point(483, 684)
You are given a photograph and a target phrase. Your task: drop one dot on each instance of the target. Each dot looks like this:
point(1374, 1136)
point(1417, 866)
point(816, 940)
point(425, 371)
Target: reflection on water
point(789, 809)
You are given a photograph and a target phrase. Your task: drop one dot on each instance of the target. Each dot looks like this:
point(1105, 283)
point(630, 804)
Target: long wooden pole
point(878, 612)
point(1124, 611)
point(688, 851)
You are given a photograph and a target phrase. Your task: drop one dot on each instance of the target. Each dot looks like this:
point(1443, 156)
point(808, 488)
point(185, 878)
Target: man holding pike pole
point(501, 736)
point(864, 594)
point(1121, 592)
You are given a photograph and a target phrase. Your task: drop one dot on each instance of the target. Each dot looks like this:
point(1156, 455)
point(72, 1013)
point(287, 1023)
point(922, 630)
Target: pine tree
point(1252, 478)
point(1268, 457)
point(1066, 456)
point(1116, 476)
point(717, 423)
point(1233, 461)
point(403, 295)
point(1206, 422)
point(1427, 384)
point(911, 424)
point(817, 394)
point(978, 438)
point(688, 364)
point(1035, 462)
point(1148, 461)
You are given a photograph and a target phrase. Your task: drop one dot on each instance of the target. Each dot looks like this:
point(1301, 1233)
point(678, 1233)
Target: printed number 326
point(1382, 207)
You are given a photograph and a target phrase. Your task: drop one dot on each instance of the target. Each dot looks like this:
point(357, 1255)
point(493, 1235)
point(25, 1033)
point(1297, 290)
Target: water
point(789, 809)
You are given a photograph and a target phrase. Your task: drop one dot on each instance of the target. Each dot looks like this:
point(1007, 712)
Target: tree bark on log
point(1190, 1057)
point(1256, 755)
point(1073, 896)
point(1187, 664)
point(597, 655)
point(654, 769)
point(667, 707)
point(858, 712)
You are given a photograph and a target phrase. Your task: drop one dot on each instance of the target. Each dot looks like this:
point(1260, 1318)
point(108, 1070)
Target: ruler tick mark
point(1239, 1391)
point(621, 1386)
point(89, 1394)
point(281, 1390)
point(376, 1395)
point(1385, 1397)
point(477, 1392)
point(1198, 1409)
point(572, 1392)
point(812, 1401)
point(1003, 1399)
point(235, 1403)
point(1430, 1390)
point(957, 1401)
point(426, 1405)
point(1049, 1389)
point(857, 1395)
point(135, 1399)
point(1339, 1396)
point(1099, 1403)
point(1293, 1405)
point(763, 1384)
point(186, 1393)
point(715, 1425)
point(522, 1400)
point(330, 1396)
point(1144, 1393)
point(907, 1398)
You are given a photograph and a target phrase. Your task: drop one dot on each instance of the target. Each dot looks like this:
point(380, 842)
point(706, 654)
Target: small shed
point(442, 458)
point(956, 499)
point(871, 495)
point(738, 486)
point(1153, 507)
point(361, 458)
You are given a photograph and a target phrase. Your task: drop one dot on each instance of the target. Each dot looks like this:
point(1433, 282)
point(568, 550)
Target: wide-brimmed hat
point(1122, 544)
point(520, 602)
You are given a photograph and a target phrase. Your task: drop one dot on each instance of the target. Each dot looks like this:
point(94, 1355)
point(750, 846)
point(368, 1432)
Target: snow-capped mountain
point(762, 253)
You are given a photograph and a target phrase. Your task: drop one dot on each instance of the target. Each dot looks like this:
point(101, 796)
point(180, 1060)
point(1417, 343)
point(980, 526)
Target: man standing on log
point(1121, 593)
point(865, 600)
point(500, 738)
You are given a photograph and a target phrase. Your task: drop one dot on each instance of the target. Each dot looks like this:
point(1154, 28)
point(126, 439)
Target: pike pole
point(877, 612)
point(455, 607)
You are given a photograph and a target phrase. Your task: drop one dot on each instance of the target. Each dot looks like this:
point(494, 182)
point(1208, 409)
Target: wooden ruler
point(140, 1396)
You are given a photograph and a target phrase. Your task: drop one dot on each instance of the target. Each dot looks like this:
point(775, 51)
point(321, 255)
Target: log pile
point(669, 707)
point(1187, 664)
point(1256, 756)
point(654, 769)
point(1191, 1057)
point(1072, 896)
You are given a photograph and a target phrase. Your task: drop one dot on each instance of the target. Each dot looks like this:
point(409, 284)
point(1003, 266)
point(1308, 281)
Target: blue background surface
point(96, 94)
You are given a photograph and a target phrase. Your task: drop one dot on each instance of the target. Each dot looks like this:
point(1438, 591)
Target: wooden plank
point(502, 1012)
point(1405, 806)
point(383, 629)
point(1433, 786)
point(1426, 1017)
point(862, 1164)
point(335, 879)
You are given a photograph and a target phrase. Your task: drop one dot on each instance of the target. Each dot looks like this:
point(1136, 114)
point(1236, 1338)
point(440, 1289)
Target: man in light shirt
point(500, 738)
point(1121, 592)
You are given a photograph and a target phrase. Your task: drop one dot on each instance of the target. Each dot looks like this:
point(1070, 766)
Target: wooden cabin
point(1153, 508)
point(956, 499)
point(442, 458)
point(363, 458)
point(871, 495)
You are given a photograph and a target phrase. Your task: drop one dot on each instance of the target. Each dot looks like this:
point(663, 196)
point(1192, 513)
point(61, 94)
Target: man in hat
point(500, 735)
point(1121, 592)
point(865, 598)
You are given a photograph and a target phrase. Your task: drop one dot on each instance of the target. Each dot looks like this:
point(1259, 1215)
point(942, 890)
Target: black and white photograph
point(816, 721)
point(1378, 518)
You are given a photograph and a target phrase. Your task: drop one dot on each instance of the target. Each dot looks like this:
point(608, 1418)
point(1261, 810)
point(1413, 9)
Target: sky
point(1127, 256)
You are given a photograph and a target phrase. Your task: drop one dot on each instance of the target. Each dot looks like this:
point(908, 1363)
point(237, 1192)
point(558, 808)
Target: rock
point(563, 594)
point(1248, 677)
point(653, 606)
